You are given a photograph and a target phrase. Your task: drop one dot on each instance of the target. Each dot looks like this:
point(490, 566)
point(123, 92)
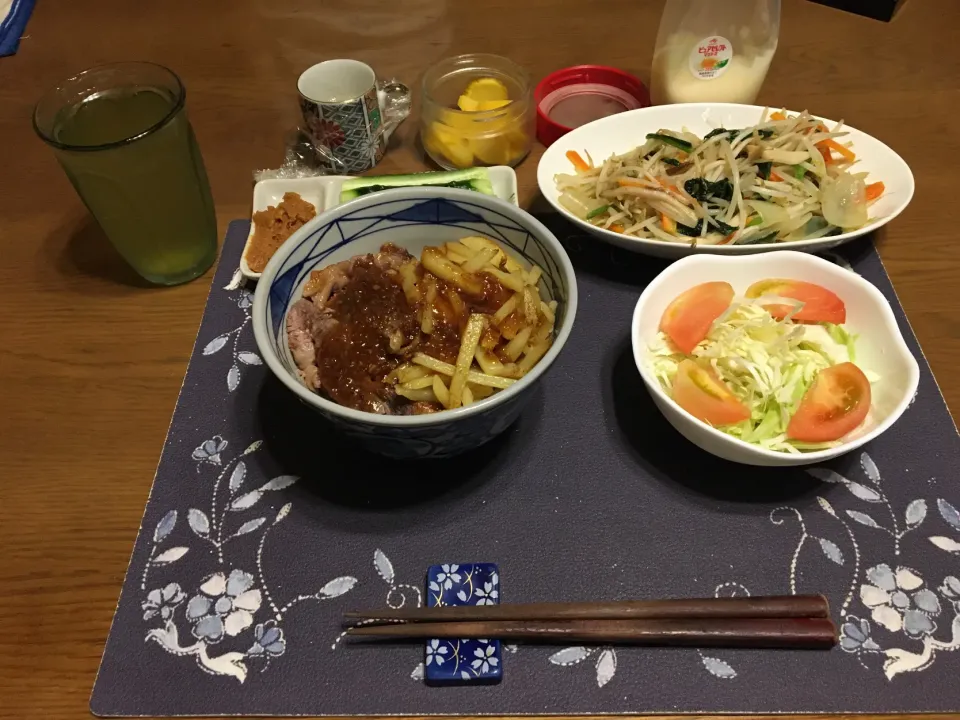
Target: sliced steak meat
point(391, 257)
point(302, 320)
point(323, 283)
point(419, 408)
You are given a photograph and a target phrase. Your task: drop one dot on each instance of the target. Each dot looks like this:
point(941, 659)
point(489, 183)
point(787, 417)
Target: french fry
point(548, 313)
point(476, 242)
point(505, 310)
point(476, 378)
point(421, 395)
point(533, 354)
point(491, 381)
point(490, 337)
point(468, 349)
point(531, 304)
point(426, 319)
point(467, 396)
point(515, 347)
point(482, 258)
point(406, 373)
point(458, 248)
point(434, 261)
point(508, 280)
point(418, 383)
point(511, 264)
point(441, 391)
point(457, 257)
point(488, 362)
point(533, 277)
point(513, 324)
point(544, 331)
point(396, 341)
point(480, 391)
point(456, 302)
point(408, 276)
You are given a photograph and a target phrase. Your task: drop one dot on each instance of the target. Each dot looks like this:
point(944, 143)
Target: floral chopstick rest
point(460, 662)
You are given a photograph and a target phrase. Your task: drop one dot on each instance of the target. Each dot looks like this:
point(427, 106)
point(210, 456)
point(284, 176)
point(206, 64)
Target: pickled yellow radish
point(495, 150)
point(452, 145)
point(486, 89)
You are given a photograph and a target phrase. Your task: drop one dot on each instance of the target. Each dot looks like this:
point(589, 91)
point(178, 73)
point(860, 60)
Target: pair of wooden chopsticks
point(796, 621)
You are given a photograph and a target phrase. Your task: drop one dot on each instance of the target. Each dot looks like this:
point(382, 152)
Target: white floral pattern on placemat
point(244, 300)
point(234, 605)
point(890, 612)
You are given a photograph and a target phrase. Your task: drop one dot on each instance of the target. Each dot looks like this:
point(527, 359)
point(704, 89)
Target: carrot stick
point(617, 228)
point(832, 144)
point(668, 224)
point(774, 175)
point(875, 190)
point(778, 115)
point(578, 162)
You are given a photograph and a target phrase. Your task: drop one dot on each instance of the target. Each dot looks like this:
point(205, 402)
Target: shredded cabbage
point(768, 364)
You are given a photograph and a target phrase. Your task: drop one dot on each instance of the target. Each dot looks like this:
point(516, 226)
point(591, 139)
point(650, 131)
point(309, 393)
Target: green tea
point(141, 175)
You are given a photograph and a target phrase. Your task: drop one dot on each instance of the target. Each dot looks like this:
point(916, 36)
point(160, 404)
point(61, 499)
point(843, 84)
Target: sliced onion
point(844, 201)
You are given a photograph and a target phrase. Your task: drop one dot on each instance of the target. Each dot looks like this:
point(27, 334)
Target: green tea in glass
point(122, 135)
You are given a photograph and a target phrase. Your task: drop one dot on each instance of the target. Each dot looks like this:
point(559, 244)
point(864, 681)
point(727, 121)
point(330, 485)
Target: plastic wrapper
point(304, 157)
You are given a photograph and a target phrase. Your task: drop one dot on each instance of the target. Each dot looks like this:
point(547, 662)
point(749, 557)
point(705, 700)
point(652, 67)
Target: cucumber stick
point(476, 179)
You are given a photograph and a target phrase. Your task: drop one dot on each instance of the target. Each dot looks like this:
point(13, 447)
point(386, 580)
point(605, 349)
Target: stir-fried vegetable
point(787, 178)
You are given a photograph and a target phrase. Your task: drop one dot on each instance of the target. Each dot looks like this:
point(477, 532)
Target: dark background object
point(876, 9)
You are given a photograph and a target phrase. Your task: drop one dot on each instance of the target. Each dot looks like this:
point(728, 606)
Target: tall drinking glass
point(122, 135)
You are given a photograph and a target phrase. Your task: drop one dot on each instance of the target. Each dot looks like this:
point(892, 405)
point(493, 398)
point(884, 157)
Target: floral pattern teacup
point(348, 114)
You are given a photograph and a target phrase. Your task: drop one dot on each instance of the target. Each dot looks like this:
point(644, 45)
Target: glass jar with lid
point(477, 110)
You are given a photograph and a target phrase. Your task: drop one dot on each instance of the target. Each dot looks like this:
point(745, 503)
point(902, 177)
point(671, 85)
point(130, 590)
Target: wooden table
point(91, 361)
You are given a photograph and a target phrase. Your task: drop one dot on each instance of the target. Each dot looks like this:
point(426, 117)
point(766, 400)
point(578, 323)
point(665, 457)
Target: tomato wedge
point(687, 319)
point(819, 304)
point(836, 404)
point(701, 393)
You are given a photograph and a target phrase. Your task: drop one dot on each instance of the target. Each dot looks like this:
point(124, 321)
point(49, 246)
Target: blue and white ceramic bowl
point(411, 218)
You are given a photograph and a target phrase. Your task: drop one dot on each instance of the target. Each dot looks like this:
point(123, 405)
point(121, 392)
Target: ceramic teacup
point(345, 115)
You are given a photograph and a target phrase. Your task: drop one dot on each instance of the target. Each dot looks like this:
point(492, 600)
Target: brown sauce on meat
point(370, 308)
point(356, 354)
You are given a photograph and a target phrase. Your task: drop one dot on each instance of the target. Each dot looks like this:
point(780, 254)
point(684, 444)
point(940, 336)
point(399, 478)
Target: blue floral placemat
point(263, 526)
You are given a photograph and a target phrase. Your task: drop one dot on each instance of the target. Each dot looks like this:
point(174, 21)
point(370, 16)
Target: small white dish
point(324, 193)
point(619, 133)
point(880, 346)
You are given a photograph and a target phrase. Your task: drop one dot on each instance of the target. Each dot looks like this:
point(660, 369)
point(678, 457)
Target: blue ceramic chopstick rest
point(468, 661)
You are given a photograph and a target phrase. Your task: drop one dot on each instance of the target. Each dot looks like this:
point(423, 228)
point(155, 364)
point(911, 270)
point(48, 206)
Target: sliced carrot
point(825, 151)
point(832, 144)
point(668, 224)
point(631, 182)
point(774, 175)
point(617, 228)
point(875, 190)
point(670, 188)
point(578, 162)
point(778, 116)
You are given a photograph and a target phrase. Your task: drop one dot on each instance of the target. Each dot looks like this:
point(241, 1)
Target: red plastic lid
point(577, 95)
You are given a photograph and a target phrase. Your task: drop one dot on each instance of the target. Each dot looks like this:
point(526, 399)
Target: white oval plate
point(617, 134)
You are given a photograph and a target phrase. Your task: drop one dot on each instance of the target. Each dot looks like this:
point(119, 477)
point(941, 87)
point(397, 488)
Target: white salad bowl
point(411, 218)
point(880, 347)
point(620, 133)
